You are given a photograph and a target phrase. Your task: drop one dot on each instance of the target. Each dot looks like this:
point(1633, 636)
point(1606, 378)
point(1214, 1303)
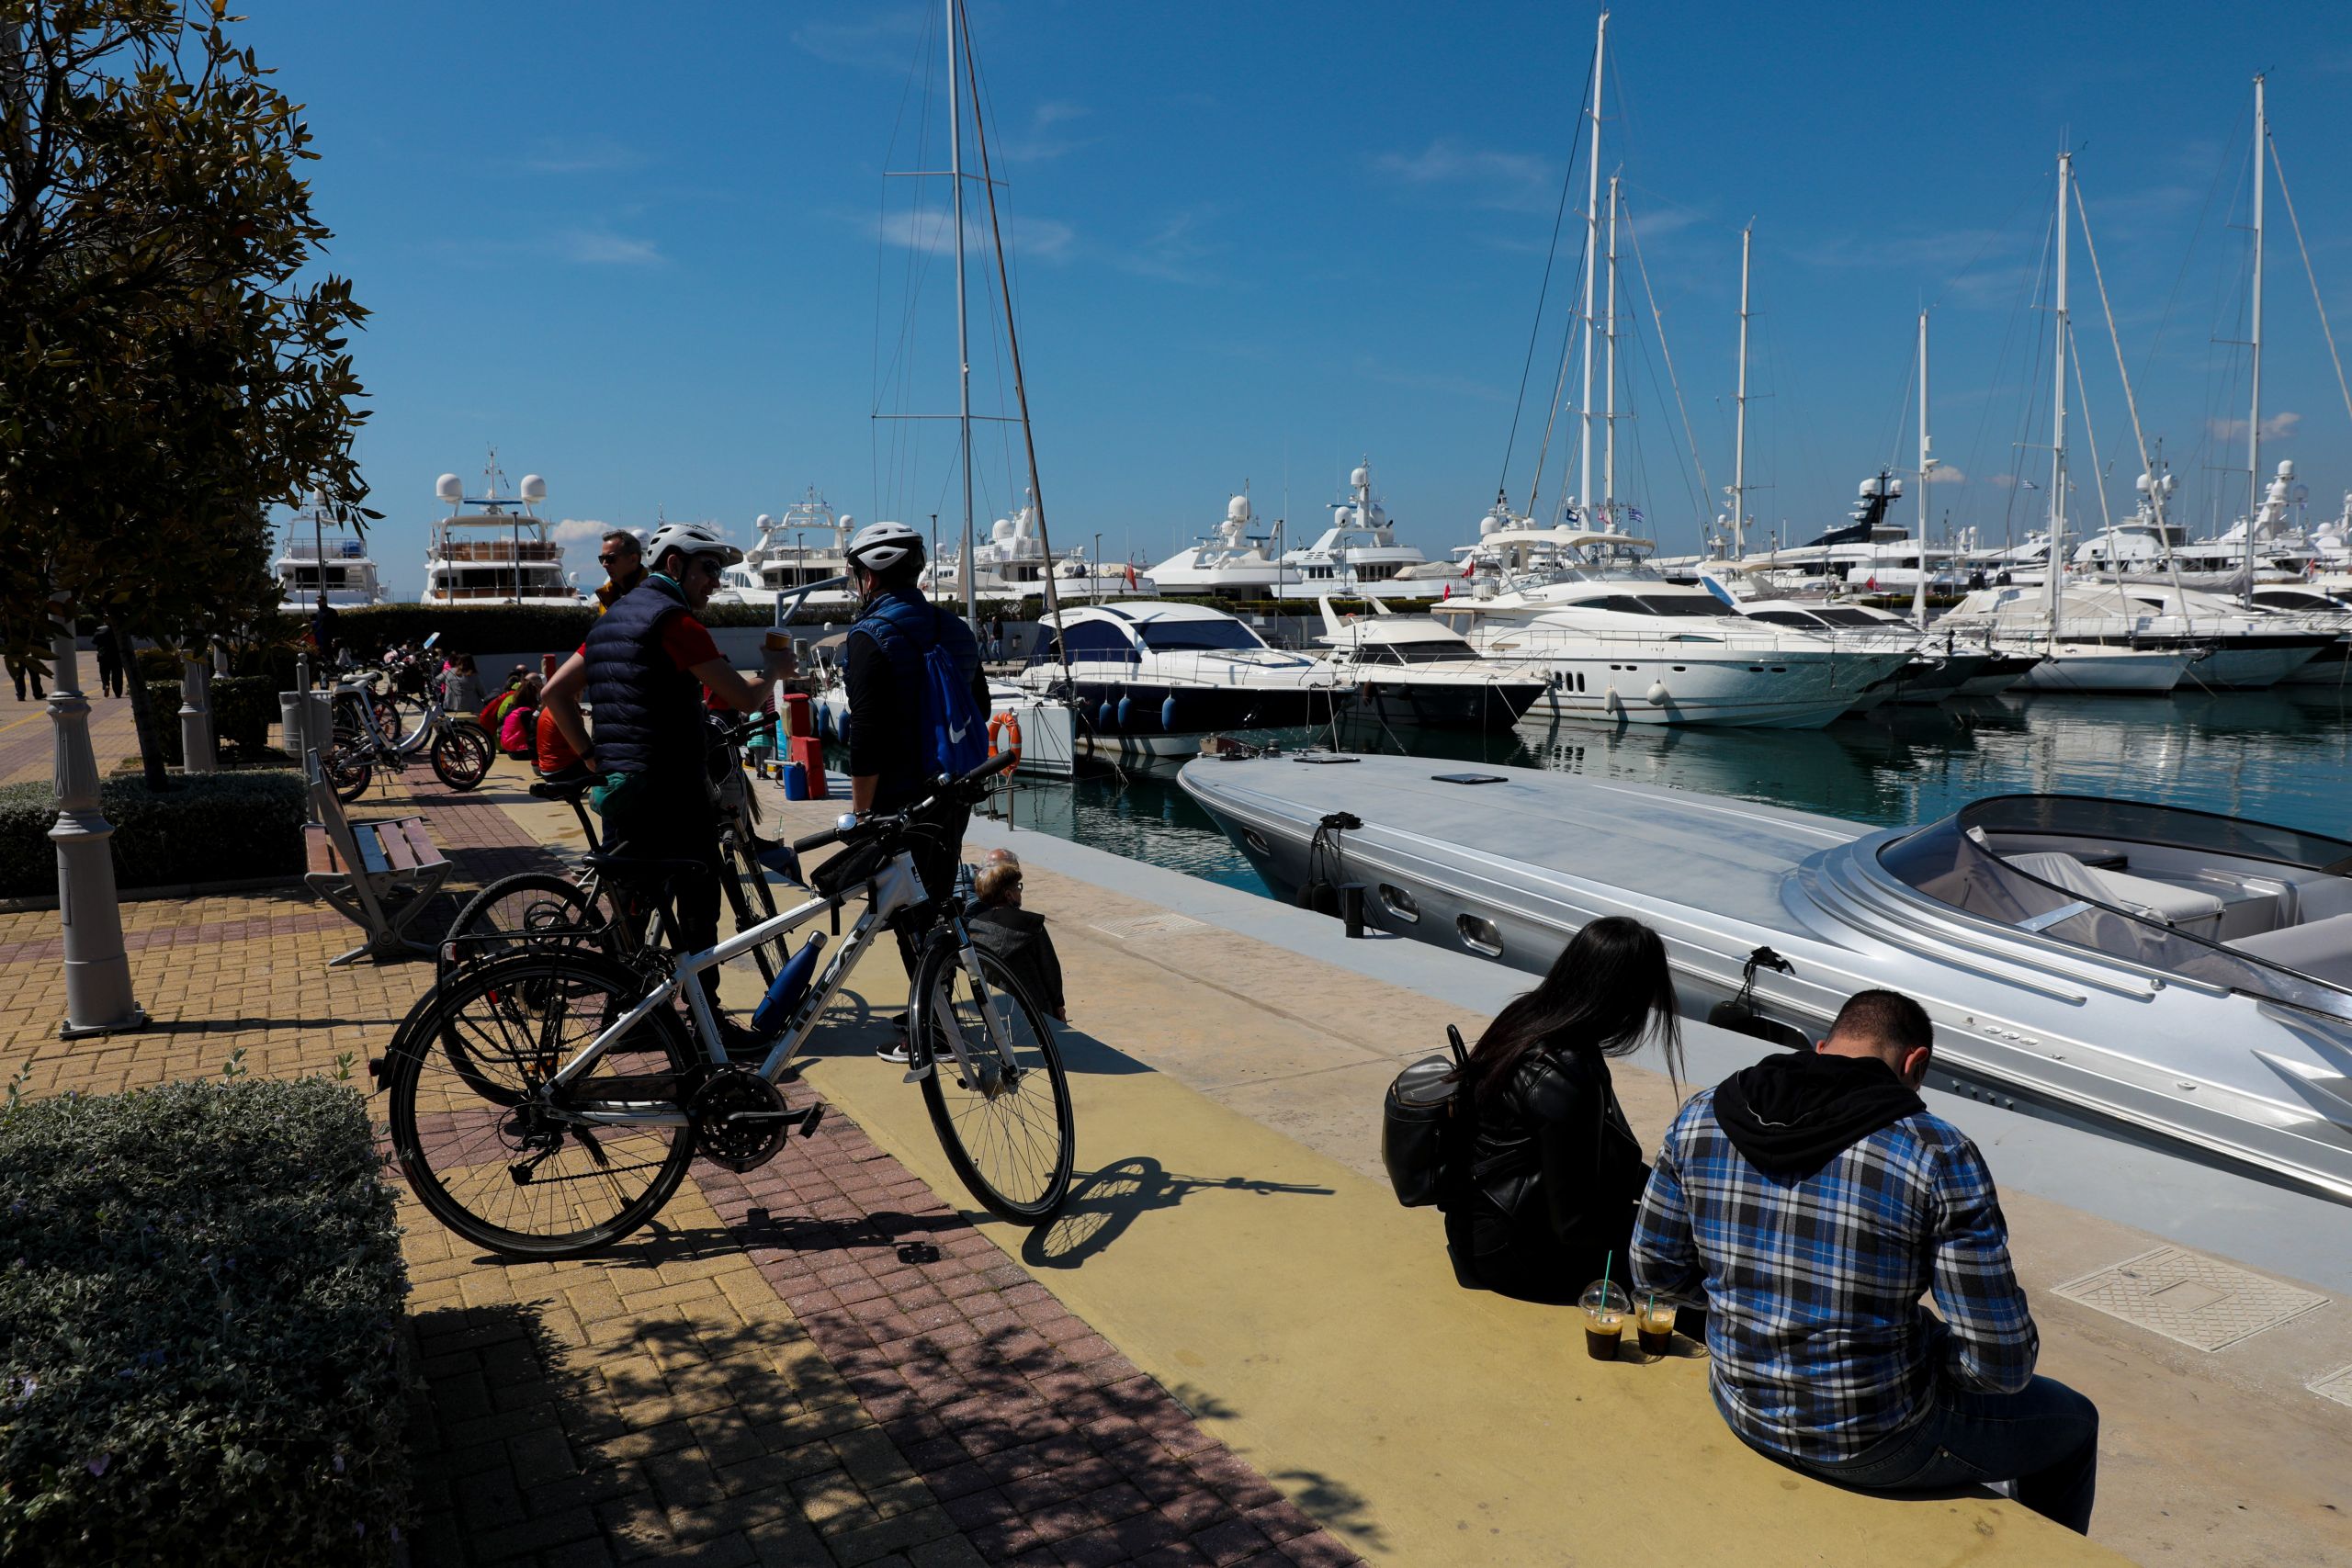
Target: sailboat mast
point(1920, 589)
point(2254, 417)
point(1739, 414)
point(2056, 569)
point(1609, 418)
point(963, 341)
point(1591, 263)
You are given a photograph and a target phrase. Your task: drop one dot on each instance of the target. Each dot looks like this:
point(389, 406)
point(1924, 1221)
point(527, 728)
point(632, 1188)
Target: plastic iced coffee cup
point(1606, 1310)
point(1653, 1323)
point(776, 653)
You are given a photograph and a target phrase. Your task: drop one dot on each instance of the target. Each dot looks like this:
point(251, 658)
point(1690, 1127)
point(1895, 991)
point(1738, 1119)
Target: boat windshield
point(2083, 876)
point(1192, 636)
point(1703, 605)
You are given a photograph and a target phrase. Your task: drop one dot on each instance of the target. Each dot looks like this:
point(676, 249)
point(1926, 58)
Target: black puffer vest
point(649, 712)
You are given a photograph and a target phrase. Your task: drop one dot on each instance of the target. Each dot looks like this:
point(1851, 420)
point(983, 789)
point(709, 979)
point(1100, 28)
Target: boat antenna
point(1019, 384)
point(2054, 571)
point(1926, 465)
point(1592, 256)
point(2253, 416)
point(1739, 416)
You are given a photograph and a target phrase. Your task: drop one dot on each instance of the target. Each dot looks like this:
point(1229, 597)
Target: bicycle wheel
point(457, 760)
point(750, 899)
point(527, 910)
point(502, 1160)
point(346, 774)
point(387, 711)
point(1010, 1137)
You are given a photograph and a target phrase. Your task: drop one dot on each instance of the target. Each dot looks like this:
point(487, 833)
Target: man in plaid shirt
point(1811, 1200)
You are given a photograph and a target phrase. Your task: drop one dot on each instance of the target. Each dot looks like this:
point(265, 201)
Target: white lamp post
point(99, 999)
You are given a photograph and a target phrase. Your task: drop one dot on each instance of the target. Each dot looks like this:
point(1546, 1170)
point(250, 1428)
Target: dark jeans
point(2044, 1437)
point(677, 823)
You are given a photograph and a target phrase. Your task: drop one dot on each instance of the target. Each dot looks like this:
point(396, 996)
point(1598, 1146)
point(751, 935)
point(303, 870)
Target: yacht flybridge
point(2179, 976)
point(795, 552)
point(1232, 560)
point(1012, 562)
point(494, 549)
point(1622, 644)
point(1358, 556)
point(1153, 677)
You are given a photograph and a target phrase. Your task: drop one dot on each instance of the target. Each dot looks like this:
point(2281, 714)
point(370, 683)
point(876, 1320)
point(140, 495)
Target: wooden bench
point(379, 873)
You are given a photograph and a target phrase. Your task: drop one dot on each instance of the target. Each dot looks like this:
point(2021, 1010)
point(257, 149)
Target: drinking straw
point(1607, 1258)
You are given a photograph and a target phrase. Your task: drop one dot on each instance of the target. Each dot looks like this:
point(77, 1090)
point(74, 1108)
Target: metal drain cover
point(2198, 1301)
point(2336, 1385)
point(1152, 925)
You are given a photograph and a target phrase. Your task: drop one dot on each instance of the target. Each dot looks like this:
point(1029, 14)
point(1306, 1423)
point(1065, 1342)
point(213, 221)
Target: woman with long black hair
point(1553, 1170)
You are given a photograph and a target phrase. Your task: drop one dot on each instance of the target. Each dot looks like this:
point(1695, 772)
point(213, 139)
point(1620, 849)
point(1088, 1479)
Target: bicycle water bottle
point(791, 983)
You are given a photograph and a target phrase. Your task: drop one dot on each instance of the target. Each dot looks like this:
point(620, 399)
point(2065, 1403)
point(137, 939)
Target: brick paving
point(28, 742)
point(819, 1363)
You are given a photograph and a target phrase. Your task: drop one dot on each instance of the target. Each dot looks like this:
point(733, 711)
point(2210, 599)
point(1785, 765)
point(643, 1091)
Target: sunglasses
point(609, 557)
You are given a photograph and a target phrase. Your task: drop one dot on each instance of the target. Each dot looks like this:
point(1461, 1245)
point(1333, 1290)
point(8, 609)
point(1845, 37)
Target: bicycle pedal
point(917, 1074)
point(808, 1120)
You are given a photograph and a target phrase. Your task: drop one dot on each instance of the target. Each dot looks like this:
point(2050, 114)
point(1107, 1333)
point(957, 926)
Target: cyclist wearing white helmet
point(645, 666)
point(914, 676)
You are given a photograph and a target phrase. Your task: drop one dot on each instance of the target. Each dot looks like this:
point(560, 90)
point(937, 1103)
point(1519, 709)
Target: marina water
point(2277, 756)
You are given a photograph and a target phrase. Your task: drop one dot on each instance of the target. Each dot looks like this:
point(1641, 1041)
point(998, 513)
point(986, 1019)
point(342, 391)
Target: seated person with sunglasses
point(645, 666)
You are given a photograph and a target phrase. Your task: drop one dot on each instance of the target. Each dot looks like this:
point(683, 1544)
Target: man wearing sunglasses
point(624, 563)
point(645, 666)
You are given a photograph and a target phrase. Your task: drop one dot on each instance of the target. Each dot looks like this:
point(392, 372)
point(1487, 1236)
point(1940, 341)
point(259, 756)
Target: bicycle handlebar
point(970, 785)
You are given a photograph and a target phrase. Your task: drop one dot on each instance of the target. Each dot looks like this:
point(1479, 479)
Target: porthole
point(1479, 935)
point(1400, 903)
point(1779, 668)
point(1253, 841)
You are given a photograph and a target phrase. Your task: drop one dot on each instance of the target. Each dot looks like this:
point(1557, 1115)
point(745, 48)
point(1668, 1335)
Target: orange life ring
point(1009, 727)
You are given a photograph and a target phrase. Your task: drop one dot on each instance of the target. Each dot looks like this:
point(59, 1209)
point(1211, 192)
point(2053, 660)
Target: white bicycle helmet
point(884, 546)
point(696, 539)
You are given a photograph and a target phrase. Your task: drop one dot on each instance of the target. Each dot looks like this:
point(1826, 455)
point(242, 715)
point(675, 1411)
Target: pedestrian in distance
point(110, 659)
point(1812, 1201)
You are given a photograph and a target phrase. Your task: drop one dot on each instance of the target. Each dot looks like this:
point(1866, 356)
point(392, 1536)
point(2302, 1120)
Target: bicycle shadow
point(1103, 1204)
point(855, 1025)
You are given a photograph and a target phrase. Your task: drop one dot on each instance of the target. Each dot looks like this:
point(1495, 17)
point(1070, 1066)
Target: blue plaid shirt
point(1821, 1345)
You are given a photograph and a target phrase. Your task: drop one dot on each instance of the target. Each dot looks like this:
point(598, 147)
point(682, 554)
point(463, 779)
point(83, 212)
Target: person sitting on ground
point(519, 731)
point(1017, 937)
point(1554, 1170)
point(460, 687)
point(1813, 1198)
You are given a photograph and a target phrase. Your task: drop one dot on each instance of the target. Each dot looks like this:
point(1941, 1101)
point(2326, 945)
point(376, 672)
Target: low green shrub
point(209, 827)
point(201, 1359)
point(243, 707)
point(157, 664)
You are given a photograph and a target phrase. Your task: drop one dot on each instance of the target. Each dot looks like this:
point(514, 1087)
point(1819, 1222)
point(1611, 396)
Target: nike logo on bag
point(956, 733)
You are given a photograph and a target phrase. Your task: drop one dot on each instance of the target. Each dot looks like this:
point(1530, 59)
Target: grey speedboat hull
point(1509, 868)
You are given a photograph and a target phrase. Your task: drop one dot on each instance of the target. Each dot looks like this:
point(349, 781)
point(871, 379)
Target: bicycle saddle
point(563, 788)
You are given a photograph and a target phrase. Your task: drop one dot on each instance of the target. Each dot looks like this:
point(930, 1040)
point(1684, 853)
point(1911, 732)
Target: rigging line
point(1019, 385)
point(1691, 442)
point(2326, 330)
point(2090, 433)
point(2032, 405)
point(1536, 327)
point(2130, 402)
point(1903, 410)
point(2021, 305)
point(881, 227)
point(1559, 391)
point(2189, 251)
point(1682, 463)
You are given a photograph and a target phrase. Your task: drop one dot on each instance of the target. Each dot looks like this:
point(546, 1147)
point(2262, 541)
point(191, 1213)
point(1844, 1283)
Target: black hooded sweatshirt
point(1795, 1113)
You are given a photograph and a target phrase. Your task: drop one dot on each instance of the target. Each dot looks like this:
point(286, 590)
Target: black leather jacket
point(1555, 1170)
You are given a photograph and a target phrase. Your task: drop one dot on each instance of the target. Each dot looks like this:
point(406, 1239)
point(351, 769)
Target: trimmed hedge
point(243, 707)
point(200, 1357)
point(209, 827)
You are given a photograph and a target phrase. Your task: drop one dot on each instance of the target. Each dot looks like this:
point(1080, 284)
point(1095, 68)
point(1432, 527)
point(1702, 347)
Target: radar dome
point(1237, 509)
point(2286, 468)
point(1488, 523)
point(534, 488)
point(449, 488)
point(2144, 484)
point(1000, 530)
point(1360, 477)
point(1870, 486)
point(764, 521)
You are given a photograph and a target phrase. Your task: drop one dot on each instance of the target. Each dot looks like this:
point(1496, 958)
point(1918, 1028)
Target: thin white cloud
point(1946, 474)
point(1430, 381)
point(2279, 427)
point(1039, 141)
point(579, 531)
point(878, 40)
point(581, 155)
point(601, 247)
point(1179, 251)
point(1487, 176)
point(933, 233)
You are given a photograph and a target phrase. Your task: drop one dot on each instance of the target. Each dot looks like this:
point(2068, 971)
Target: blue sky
point(650, 254)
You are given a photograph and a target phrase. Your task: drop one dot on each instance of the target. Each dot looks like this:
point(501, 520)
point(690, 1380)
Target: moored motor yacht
point(1232, 561)
point(499, 552)
point(1623, 645)
point(1414, 669)
point(1012, 562)
point(1153, 676)
point(2184, 977)
point(2231, 647)
point(795, 556)
point(331, 560)
point(1358, 556)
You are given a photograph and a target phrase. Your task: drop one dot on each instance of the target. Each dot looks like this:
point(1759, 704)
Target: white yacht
point(1873, 553)
point(1358, 556)
point(1413, 670)
point(494, 549)
point(1012, 563)
point(1232, 561)
point(1624, 645)
point(796, 552)
point(2230, 646)
point(1154, 677)
point(1942, 665)
point(321, 554)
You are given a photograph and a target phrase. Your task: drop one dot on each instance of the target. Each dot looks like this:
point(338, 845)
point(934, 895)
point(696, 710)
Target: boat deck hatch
point(1468, 778)
point(2199, 1301)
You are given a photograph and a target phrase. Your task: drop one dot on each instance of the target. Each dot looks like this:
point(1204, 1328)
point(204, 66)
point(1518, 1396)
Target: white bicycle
point(547, 1101)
